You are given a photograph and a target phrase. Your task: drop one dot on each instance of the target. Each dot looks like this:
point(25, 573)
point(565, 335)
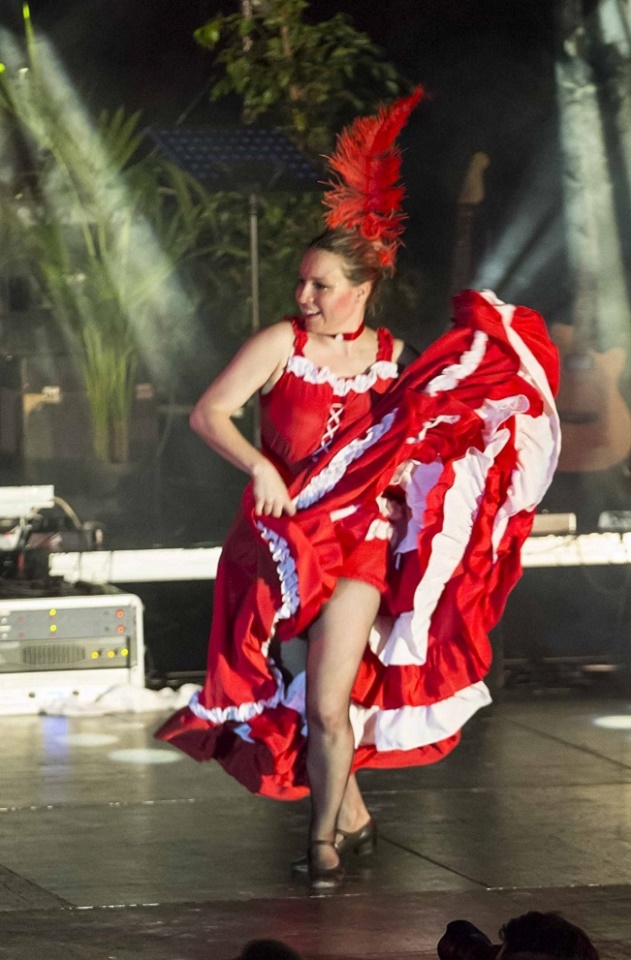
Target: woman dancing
point(384, 518)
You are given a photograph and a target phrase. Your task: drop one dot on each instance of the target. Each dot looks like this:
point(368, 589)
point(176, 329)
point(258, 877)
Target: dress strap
point(385, 343)
point(300, 336)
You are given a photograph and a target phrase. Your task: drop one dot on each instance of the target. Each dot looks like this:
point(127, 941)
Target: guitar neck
point(463, 260)
point(469, 201)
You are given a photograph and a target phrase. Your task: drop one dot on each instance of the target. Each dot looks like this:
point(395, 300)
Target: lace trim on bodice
point(332, 425)
point(342, 386)
point(383, 367)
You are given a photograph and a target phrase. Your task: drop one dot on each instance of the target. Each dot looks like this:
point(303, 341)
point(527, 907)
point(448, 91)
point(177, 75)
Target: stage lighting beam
point(593, 241)
point(134, 244)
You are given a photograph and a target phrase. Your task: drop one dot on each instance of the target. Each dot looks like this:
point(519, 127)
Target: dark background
point(488, 66)
point(488, 69)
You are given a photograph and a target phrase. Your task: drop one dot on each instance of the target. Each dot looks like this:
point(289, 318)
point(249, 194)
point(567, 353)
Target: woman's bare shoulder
point(281, 330)
point(276, 336)
point(275, 344)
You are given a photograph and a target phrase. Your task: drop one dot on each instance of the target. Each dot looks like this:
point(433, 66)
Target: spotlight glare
point(144, 756)
point(87, 739)
point(614, 722)
point(139, 261)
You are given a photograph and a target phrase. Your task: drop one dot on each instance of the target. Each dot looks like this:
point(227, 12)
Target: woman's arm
point(258, 363)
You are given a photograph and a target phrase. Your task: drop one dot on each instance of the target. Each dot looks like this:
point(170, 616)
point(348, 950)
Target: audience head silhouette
point(531, 936)
point(268, 950)
point(548, 934)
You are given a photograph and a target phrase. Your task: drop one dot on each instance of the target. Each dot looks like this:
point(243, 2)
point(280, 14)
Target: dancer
point(384, 518)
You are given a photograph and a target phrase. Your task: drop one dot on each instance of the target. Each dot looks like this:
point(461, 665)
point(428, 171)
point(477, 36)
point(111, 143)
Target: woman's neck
point(347, 336)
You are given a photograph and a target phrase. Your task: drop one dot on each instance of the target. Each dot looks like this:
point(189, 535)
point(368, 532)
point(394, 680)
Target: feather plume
point(365, 194)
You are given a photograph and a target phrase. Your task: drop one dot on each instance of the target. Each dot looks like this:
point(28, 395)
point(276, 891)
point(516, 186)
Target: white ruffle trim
point(443, 418)
point(404, 728)
point(335, 470)
point(496, 412)
point(293, 697)
point(341, 386)
point(532, 370)
point(537, 440)
point(242, 712)
point(409, 637)
point(286, 569)
point(407, 728)
point(468, 362)
point(417, 480)
point(396, 644)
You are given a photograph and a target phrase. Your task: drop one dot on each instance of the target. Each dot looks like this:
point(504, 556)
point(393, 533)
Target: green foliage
point(105, 233)
point(285, 225)
point(308, 79)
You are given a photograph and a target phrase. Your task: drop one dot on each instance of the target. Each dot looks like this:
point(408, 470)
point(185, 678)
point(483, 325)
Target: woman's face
point(328, 302)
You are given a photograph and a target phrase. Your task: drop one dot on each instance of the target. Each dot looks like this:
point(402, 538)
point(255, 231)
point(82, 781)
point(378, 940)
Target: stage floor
point(116, 847)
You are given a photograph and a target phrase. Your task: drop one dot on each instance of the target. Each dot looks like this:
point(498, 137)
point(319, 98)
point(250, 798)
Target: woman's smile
point(328, 301)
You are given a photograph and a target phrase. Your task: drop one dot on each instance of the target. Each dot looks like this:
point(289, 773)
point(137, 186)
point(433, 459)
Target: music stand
point(242, 159)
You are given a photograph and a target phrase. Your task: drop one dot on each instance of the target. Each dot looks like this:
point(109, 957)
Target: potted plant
point(104, 229)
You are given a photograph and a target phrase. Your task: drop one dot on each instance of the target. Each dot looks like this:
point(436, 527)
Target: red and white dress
point(423, 484)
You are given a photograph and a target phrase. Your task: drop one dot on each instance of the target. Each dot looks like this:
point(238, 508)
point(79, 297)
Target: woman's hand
point(270, 493)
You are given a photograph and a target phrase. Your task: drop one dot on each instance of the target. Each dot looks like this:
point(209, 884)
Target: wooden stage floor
point(116, 847)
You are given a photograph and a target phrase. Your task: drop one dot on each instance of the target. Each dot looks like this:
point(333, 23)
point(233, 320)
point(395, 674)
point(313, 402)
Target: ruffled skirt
point(430, 498)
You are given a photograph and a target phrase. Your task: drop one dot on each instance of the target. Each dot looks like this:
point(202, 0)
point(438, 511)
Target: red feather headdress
point(365, 194)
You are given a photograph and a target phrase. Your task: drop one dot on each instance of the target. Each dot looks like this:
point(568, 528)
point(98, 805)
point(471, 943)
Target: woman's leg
point(336, 643)
point(353, 812)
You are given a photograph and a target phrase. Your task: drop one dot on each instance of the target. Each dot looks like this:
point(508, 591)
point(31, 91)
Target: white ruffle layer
point(469, 361)
point(242, 712)
point(408, 728)
point(404, 728)
point(331, 475)
point(537, 443)
point(341, 386)
point(286, 569)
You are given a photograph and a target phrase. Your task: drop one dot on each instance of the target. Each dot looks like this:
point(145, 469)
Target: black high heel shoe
point(362, 842)
point(324, 878)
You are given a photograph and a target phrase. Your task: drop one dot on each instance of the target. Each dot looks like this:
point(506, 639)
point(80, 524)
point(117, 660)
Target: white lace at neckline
point(307, 370)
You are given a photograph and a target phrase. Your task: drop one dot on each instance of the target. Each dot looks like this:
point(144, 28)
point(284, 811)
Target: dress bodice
point(308, 405)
